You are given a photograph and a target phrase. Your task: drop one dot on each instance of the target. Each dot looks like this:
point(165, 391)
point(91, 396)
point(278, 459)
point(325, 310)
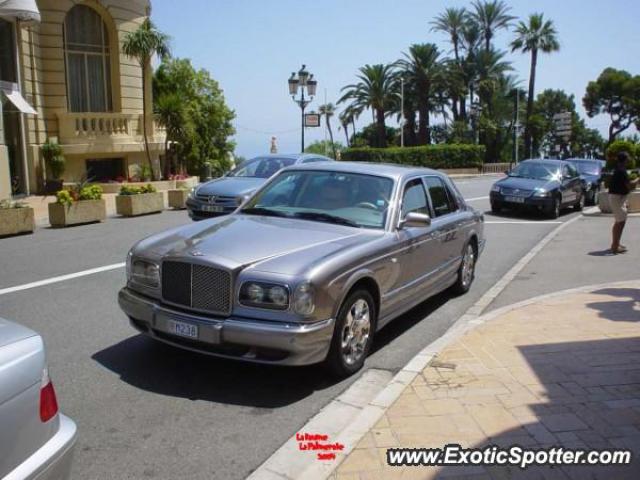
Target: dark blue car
point(590, 170)
point(222, 196)
point(543, 185)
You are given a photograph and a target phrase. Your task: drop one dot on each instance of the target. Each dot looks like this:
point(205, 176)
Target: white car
point(36, 441)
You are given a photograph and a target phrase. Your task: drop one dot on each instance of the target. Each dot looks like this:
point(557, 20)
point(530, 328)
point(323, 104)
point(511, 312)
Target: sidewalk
point(558, 370)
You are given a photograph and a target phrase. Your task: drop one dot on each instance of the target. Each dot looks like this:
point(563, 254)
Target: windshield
point(537, 171)
point(261, 167)
point(588, 168)
point(351, 199)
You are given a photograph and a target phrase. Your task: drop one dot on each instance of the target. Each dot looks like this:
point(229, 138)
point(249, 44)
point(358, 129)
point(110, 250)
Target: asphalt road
point(145, 410)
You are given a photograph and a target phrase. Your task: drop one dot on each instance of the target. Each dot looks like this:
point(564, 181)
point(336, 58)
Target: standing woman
point(619, 189)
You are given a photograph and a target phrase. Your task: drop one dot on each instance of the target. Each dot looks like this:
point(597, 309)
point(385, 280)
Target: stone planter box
point(16, 220)
point(178, 199)
point(84, 211)
point(132, 205)
point(188, 182)
point(633, 202)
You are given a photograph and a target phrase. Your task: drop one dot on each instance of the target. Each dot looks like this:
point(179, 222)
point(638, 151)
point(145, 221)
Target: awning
point(23, 10)
point(15, 97)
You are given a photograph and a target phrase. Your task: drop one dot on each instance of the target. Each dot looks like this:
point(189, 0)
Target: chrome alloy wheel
point(468, 264)
point(355, 333)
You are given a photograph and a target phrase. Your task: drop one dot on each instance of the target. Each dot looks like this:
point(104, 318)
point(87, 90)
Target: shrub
point(621, 146)
point(78, 193)
point(431, 156)
point(7, 204)
point(133, 190)
point(53, 158)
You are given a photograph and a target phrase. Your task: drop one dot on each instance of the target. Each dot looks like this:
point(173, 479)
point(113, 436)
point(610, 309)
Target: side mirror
point(414, 219)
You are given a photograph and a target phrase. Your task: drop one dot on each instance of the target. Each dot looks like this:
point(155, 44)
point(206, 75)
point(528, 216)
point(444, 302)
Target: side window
point(313, 159)
point(573, 171)
point(442, 203)
point(565, 172)
point(414, 198)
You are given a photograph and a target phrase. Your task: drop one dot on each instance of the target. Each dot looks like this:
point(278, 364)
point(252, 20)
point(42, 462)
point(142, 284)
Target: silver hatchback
point(309, 268)
point(36, 441)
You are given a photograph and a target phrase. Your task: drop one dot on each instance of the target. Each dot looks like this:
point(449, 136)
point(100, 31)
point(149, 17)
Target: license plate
point(183, 329)
point(514, 199)
point(212, 208)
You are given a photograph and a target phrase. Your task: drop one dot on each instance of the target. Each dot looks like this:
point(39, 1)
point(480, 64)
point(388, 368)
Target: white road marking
point(475, 198)
point(61, 278)
point(521, 222)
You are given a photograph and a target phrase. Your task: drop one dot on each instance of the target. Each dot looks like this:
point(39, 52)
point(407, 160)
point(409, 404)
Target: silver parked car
point(36, 441)
point(309, 268)
point(222, 196)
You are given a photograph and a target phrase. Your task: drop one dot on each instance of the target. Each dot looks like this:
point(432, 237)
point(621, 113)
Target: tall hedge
point(622, 146)
point(443, 156)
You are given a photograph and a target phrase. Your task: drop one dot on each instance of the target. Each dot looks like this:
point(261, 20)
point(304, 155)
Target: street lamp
point(303, 80)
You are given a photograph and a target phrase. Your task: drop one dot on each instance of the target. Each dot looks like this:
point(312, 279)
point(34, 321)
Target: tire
point(496, 208)
point(554, 210)
point(467, 270)
point(343, 359)
point(580, 204)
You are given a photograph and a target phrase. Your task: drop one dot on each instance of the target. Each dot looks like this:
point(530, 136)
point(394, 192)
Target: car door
point(575, 182)
point(568, 187)
point(448, 223)
point(415, 263)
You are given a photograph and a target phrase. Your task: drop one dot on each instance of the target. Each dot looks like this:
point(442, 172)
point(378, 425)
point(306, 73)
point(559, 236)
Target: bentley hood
point(282, 245)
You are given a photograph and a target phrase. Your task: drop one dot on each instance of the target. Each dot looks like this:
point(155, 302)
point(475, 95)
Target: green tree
point(173, 114)
point(207, 140)
point(491, 17)
point(325, 147)
point(422, 68)
point(538, 35)
point(368, 136)
point(376, 89)
point(142, 44)
point(328, 110)
point(617, 94)
point(542, 127)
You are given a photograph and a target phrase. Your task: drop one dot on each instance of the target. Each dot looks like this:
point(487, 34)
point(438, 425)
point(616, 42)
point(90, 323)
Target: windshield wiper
point(263, 211)
point(326, 217)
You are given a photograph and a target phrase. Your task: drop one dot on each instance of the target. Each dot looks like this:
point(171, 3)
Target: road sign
point(311, 119)
point(562, 116)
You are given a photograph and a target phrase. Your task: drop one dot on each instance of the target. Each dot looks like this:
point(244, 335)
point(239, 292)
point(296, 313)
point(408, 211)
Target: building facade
point(65, 79)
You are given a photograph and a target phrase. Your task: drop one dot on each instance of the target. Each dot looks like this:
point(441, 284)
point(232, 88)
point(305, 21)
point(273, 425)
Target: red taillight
point(48, 401)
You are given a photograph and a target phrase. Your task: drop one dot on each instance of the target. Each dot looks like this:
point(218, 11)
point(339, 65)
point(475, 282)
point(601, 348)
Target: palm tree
point(328, 110)
point(421, 67)
point(452, 22)
point(348, 117)
point(171, 109)
point(470, 43)
point(491, 17)
point(536, 35)
point(376, 89)
point(142, 44)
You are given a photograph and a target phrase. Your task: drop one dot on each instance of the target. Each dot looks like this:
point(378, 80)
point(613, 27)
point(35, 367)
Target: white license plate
point(514, 199)
point(183, 329)
point(212, 208)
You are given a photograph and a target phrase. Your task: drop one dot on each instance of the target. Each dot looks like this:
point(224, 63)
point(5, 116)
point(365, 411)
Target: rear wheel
point(353, 334)
point(467, 270)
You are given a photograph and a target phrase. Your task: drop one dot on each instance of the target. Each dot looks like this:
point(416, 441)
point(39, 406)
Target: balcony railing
point(102, 127)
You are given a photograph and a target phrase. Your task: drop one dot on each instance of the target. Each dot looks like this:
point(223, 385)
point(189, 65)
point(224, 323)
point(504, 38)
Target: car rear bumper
point(52, 461)
point(250, 340)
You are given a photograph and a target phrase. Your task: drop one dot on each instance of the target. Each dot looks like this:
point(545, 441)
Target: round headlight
point(255, 293)
point(278, 295)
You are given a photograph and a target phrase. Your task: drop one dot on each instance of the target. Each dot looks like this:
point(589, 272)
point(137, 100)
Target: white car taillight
point(48, 401)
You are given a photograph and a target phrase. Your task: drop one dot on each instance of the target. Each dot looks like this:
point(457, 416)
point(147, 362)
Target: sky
point(251, 47)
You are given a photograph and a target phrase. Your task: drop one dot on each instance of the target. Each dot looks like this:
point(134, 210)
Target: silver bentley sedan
point(309, 267)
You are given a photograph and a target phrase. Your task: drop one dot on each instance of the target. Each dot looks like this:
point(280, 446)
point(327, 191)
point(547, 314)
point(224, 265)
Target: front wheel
point(579, 204)
point(353, 334)
point(554, 209)
point(466, 271)
point(495, 207)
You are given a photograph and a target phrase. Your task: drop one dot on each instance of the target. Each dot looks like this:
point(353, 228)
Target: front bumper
point(197, 209)
point(530, 202)
point(250, 340)
point(52, 461)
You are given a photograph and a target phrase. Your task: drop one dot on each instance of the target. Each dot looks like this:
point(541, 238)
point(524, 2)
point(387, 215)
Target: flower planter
point(16, 220)
point(83, 211)
point(633, 202)
point(132, 205)
point(178, 199)
point(187, 182)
